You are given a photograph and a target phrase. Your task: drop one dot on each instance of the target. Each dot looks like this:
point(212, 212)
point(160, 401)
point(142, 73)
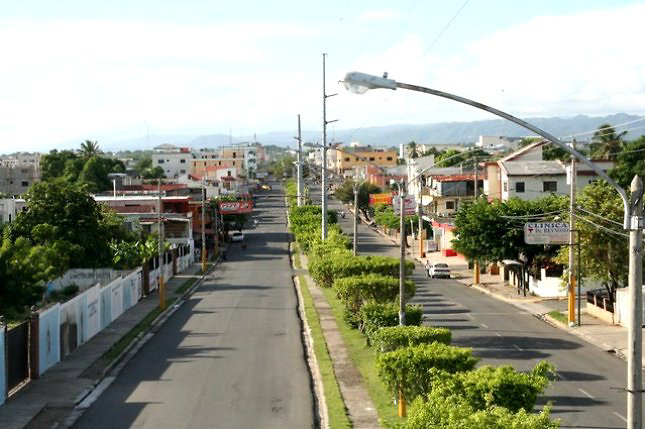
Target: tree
point(94, 174)
point(605, 143)
point(89, 149)
point(629, 162)
point(153, 173)
point(413, 150)
point(77, 219)
point(52, 165)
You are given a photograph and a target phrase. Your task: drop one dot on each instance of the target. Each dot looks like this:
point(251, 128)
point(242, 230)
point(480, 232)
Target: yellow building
point(346, 160)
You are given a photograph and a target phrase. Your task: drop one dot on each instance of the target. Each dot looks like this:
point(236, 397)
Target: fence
point(600, 298)
point(31, 348)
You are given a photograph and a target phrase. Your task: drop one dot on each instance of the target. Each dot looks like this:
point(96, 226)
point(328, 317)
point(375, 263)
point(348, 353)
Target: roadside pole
point(299, 164)
point(635, 333)
point(355, 250)
point(572, 227)
point(162, 289)
point(204, 222)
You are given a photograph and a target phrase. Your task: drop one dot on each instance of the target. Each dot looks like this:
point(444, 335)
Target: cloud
point(380, 15)
point(587, 63)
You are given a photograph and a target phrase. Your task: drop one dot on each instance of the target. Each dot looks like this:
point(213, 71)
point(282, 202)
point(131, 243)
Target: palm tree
point(605, 143)
point(413, 150)
point(89, 149)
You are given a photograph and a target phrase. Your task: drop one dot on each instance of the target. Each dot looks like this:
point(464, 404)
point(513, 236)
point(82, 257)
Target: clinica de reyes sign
point(546, 233)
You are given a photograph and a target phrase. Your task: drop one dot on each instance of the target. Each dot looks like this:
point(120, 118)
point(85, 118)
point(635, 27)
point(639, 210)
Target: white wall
point(173, 164)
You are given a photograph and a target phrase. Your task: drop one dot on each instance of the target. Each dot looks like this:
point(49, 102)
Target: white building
point(174, 160)
point(499, 142)
point(9, 208)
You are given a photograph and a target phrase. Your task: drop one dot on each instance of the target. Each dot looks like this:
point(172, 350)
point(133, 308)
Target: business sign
point(380, 199)
point(236, 207)
point(409, 205)
point(546, 233)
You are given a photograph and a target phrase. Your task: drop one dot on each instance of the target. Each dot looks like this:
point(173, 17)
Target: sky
point(119, 69)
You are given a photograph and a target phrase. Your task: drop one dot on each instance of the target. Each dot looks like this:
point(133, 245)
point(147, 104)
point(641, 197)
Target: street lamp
point(361, 82)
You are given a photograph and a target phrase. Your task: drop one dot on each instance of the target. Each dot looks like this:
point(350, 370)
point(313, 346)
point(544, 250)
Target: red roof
point(458, 177)
point(150, 187)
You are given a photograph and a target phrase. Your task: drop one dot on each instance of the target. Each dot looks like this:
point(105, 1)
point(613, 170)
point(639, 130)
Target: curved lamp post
point(633, 221)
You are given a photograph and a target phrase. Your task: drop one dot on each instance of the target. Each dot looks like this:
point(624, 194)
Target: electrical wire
point(604, 228)
point(609, 128)
point(599, 216)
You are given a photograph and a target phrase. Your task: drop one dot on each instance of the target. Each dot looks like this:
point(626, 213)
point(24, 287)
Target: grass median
point(335, 406)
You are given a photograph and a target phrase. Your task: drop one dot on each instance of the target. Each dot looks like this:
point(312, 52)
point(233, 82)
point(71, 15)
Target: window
point(25, 183)
point(450, 205)
point(182, 161)
point(160, 161)
point(505, 187)
point(519, 187)
point(182, 171)
point(371, 158)
point(389, 158)
point(234, 155)
point(550, 186)
point(347, 159)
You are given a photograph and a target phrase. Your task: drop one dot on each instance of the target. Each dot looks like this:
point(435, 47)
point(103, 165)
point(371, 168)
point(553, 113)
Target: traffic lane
point(586, 392)
point(232, 356)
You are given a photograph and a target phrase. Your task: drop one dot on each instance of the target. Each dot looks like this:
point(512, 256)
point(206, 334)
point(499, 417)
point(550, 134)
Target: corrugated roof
point(531, 168)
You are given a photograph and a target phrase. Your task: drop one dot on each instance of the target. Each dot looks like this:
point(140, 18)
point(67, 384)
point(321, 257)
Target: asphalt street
point(231, 356)
point(589, 389)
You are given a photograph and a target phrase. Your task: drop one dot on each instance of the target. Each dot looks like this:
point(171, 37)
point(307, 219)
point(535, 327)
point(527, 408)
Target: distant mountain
point(392, 135)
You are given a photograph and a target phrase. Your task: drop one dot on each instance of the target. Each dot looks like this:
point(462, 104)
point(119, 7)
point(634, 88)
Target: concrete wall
point(622, 315)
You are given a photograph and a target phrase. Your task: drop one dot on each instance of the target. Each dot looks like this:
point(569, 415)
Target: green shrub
point(374, 316)
point(454, 412)
point(355, 290)
point(64, 294)
point(359, 265)
point(411, 367)
point(395, 337)
point(501, 386)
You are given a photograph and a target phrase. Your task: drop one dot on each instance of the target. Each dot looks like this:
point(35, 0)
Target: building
point(346, 161)
point(448, 192)
point(499, 142)
point(9, 208)
point(523, 174)
point(174, 160)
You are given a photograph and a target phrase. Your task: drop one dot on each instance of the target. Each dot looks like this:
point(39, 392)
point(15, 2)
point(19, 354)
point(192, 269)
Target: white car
point(237, 236)
point(438, 270)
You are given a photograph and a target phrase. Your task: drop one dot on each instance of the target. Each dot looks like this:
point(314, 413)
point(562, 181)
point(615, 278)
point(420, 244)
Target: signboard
point(380, 199)
point(431, 246)
point(409, 205)
point(546, 233)
point(236, 207)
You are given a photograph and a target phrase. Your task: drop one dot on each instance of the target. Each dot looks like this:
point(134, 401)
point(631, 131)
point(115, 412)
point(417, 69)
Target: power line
point(606, 128)
point(599, 216)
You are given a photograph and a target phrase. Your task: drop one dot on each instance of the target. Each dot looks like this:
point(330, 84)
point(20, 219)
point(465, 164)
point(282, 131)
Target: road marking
point(484, 326)
point(619, 416)
point(518, 348)
point(498, 334)
point(585, 393)
point(562, 377)
point(468, 316)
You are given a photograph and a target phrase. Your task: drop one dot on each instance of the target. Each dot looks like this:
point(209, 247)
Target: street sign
point(380, 199)
point(409, 205)
point(546, 233)
point(236, 207)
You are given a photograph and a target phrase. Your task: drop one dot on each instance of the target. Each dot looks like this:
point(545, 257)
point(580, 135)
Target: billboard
point(546, 233)
point(236, 207)
point(409, 205)
point(380, 199)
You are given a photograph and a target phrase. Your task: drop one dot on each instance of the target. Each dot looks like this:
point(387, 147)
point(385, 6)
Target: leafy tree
point(76, 219)
point(413, 150)
point(52, 165)
point(630, 162)
point(89, 149)
point(94, 174)
point(153, 173)
point(551, 152)
point(345, 193)
point(143, 164)
point(605, 143)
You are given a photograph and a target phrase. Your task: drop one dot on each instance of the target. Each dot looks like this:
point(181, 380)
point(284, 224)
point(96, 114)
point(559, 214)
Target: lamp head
point(360, 83)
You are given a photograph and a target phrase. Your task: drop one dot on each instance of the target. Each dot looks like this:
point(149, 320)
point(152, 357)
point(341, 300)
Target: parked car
point(438, 270)
point(237, 236)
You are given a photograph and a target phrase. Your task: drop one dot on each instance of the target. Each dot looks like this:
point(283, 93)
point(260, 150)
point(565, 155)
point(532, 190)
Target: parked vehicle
point(237, 236)
point(438, 270)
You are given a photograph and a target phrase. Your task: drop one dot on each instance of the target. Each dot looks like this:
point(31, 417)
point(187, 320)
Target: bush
point(395, 337)
point(454, 412)
point(64, 294)
point(355, 290)
point(356, 266)
point(411, 367)
point(502, 386)
point(374, 316)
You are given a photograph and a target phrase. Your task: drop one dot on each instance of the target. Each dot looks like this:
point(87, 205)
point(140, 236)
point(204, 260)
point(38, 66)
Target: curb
point(117, 364)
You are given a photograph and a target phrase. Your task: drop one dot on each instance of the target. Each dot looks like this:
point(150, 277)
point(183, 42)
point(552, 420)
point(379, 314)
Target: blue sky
point(112, 70)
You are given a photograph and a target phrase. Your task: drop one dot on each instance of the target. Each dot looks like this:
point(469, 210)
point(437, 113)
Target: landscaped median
point(408, 364)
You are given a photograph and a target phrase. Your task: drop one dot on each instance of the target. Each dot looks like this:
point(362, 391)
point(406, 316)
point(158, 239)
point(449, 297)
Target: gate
point(17, 355)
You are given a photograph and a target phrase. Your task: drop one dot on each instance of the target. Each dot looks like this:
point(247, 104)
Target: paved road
point(231, 357)
point(587, 392)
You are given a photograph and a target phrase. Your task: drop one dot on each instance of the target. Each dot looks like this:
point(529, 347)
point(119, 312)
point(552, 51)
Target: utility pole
point(204, 223)
point(355, 250)
point(299, 165)
point(572, 227)
point(402, 256)
point(162, 289)
point(476, 270)
point(635, 334)
point(324, 152)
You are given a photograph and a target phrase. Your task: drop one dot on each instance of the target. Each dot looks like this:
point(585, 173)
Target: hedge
point(353, 291)
point(454, 412)
point(355, 266)
point(392, 338)
point(374, 316)
point(411, 368)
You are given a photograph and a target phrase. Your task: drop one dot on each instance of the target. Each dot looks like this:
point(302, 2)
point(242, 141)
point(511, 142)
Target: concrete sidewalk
point(46, 401)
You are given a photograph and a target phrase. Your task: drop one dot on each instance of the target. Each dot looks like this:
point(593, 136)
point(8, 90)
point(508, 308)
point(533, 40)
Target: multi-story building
point(347, 160)
point(174, 160)
point(9, 208)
